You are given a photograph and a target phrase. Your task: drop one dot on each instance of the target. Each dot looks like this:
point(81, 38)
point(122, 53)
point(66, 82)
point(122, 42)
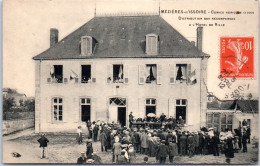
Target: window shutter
point(153, 44)
point(93, 113)
point(172, 73)
point(126, 74)
point(48, 73)
point(65, 110)
point(93, 73)
point(141, 74)
point(148, 44)
point(76, 110)
point(83, 46)
point(188, 72)
point(172, 111)
point(109, 74)
point(89, 46)
point(141, 108)
point(159, 74)
point(48, 109)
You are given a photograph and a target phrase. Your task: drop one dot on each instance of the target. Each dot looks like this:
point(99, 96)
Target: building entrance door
point(181, 111)
point(85, 113)
point(117, 110)
point(121, 115)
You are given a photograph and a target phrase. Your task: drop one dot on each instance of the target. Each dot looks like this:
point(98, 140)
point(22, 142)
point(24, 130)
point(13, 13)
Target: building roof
point(221, 105)
point(246, 106)
point(123, 36)
point(5, 90)
point(16, 95)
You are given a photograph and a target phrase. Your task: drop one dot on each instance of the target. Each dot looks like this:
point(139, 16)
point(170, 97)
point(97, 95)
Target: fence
point(17, 115)
point(17, 121)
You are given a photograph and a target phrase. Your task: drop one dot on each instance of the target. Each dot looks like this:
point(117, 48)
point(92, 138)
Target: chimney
point(54, 36)
point(199, 38)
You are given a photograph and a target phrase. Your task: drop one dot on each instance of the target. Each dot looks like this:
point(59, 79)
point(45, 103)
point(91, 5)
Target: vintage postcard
point(130, 82)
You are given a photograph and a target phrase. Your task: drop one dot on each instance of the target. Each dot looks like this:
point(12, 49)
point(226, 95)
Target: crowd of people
point(162, 143)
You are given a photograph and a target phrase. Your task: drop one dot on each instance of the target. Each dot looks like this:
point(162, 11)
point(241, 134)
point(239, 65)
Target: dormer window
point(86, 45)
point(151, 44)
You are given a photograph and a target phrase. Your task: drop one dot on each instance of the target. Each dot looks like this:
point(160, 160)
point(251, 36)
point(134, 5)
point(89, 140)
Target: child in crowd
point(131, 153)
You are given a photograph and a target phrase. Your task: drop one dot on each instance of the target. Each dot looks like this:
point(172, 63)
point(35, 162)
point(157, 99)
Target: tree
point(8, 103)
point(21, 102)
point(11, 90)
point(29, 105)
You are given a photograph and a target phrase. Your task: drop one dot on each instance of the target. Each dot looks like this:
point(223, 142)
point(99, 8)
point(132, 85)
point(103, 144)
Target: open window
point(118, 73)
point(181, 106)
point(57, 73)
point(151, 73)
point(183, 72)
point(150, 106)
point(221, 121)
point(151, 44)
point(85, 73)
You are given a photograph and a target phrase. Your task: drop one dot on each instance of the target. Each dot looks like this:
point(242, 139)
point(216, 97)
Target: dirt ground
point(64, 149)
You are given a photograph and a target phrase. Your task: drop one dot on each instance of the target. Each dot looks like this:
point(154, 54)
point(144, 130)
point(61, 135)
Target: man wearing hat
point(144, 142)
point(191, 144)
point(43, 143)
point(215, 144)
point(183, 144)
point(136, 140)
point(131, 119)
point(82, 159)
point(162, 152)
point(196, 140)
point(103, 141)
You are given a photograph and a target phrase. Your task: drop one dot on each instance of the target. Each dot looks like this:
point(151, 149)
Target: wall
point(10, 126)
point(239, 116)
point(100, 91)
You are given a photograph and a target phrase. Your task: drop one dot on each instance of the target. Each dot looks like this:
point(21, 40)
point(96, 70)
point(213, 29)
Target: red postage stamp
point(237, 57)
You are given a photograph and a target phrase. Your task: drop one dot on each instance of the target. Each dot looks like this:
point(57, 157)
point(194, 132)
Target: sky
point(26, 26)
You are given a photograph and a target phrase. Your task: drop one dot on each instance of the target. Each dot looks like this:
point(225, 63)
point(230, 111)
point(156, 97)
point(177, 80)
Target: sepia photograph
point(130, 82)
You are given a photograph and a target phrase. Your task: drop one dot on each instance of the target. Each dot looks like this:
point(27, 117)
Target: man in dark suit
point(183, 144)
point(131, 119)
point(82, 159)
point(95, 132)
point(215, 144)
point(162, 152)
point(43, 143)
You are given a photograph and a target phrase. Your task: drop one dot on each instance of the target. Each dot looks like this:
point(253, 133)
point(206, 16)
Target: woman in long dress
point(229, 150)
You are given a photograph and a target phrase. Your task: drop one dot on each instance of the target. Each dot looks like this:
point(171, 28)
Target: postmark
point(237, 57)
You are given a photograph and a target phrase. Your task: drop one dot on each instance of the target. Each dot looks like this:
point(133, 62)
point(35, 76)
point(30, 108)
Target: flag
point(192, 77)
point(73, 75)
point(120, 75)
point(52, 71)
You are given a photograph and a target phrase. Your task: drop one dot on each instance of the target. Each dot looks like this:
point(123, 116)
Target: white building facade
point(100, 72)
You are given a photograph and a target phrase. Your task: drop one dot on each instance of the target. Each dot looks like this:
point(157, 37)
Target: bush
point(29, 105)
point(8, 103)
